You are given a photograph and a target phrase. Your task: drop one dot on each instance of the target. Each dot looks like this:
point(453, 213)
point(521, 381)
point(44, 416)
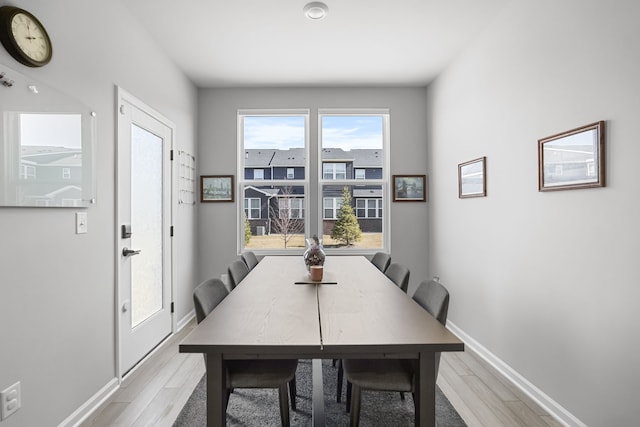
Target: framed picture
point(216, 188)
point(409, 188)
point(572, 159)
point(472, 178)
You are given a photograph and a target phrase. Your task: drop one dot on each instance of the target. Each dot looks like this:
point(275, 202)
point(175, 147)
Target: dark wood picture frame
point(409, 188)
point(472, 178)
point(216, 188)
point(572, 159)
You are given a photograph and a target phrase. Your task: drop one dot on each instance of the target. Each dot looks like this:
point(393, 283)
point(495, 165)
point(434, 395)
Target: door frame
point(123, 95)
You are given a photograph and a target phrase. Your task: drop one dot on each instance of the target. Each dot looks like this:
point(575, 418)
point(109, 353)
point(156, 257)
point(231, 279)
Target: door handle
point(128, 252)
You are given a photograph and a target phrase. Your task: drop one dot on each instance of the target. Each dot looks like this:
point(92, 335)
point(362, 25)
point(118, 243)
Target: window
point(369, 208)
point(351, 147)
point(27, 172)
point(331, 206)
point(66, 173)
point(291, 208)
point(275, 143)
point(334, 171)
point(252, 208)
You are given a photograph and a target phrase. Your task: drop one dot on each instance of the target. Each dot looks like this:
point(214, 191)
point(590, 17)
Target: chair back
point(433, 297)
point(381, 260)
point(237, 270)
point(399, 274)
point(250, 259)
point(207, 296)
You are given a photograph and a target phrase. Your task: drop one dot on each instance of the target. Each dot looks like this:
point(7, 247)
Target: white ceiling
point(270, 43)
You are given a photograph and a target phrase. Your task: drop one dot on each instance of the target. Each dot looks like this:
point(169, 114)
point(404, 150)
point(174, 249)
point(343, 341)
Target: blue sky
point(346, 132)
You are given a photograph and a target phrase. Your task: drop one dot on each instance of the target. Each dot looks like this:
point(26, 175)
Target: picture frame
point(472, 178)
point(216, 188)
point(409, 188)
point(572, 159)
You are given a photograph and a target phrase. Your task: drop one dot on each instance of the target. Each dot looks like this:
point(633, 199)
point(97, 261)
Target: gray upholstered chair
point(399, 274)
point(237, 270)
point(250, 259)
point(394, 374)
point(248, 373)
point(381, 260)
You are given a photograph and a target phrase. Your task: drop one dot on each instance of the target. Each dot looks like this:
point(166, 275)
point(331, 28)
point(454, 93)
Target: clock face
point(30, 37)
point(24, 37)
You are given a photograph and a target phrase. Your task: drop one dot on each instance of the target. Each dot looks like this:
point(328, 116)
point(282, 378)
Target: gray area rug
point(259, 407)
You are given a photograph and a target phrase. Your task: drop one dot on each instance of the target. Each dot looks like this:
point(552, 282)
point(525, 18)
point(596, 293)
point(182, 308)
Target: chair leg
point(340, 379)
point(293, 392)
point(354, 418)
point(348, 400)
point(284, 405)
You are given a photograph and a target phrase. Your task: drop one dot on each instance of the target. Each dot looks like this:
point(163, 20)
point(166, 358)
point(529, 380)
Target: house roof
point(295, 157)
point(290, 157)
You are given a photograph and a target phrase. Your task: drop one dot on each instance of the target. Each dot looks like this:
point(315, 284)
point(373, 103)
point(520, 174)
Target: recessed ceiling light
point(315, 10)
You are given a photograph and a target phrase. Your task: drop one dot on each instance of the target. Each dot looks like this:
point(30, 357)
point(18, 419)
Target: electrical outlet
point(10, 400)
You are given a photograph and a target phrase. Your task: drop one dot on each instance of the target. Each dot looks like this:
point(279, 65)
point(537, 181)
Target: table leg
point(426, 389)
point(216, 391)
point(317, 396)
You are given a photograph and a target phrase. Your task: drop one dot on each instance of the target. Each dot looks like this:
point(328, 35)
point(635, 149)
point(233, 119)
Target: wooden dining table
point(277, 312)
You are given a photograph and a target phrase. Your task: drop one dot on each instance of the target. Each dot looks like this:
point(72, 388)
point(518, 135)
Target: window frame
point(257, 183)
point(248, 210)
point(313, 180)
point(384, 182)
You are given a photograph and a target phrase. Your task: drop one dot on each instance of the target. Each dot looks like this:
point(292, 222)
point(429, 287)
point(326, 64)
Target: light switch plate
point(81, 222)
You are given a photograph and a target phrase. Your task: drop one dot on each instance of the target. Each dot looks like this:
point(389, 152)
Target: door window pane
point(146, 216)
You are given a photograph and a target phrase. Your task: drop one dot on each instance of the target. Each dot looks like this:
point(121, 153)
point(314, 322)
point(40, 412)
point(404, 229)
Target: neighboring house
point(50, 176)
point(266, 207)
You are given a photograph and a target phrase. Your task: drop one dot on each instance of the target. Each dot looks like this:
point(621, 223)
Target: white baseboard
point(83, 412)
point(185, 320)
point(548, 404)
point(90, 405)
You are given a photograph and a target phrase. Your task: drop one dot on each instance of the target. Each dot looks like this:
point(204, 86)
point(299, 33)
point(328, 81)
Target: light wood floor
point(155, 392)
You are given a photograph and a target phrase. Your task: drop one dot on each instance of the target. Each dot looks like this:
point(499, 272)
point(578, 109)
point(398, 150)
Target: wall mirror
point(572, 159)
point(47, 143)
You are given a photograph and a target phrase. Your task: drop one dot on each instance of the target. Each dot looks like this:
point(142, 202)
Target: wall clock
point(24, 37)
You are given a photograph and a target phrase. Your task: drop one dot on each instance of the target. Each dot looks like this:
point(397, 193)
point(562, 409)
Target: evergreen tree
point(247, 231)
point(346, 229)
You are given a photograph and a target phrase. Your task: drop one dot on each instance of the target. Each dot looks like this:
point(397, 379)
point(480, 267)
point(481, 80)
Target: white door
point(143, 231)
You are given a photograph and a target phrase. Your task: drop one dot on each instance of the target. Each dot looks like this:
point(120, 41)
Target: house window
point(258, 174)
point(252, 208)
point(66, 173)
point(291, 208)
point(331, 206)
point(334, 171)
point(360, 174)
point(27, 172)
point(369, 208)
point(290, 173)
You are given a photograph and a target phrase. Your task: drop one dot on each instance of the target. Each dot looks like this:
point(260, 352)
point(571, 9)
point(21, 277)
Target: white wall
point(218, 155)
point(547, 282)
point(57, 288)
